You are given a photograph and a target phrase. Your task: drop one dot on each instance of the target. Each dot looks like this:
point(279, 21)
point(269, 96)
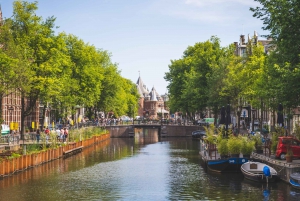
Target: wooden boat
point(260, 172)
point(295, 180)
point(226, 165)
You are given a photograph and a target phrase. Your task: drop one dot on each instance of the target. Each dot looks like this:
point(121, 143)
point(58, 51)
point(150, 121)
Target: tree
point(282, 18)
point(189, 76)
point(38, 53)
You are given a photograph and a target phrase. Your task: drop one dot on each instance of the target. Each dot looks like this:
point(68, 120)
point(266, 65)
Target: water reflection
point(142, 168)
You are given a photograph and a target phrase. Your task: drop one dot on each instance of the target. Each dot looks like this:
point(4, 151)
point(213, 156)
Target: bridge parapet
point(163, 130)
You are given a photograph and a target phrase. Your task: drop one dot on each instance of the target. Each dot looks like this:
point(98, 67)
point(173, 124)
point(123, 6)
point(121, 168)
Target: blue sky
point(143, 36)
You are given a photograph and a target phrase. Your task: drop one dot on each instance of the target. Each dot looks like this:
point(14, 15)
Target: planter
point(235, 155)
point(259, 151)
point(224, 156)
point(289, 159)
point(246, 155)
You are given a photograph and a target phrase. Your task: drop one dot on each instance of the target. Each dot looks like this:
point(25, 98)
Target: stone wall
point(166, 130)
point(120, 131)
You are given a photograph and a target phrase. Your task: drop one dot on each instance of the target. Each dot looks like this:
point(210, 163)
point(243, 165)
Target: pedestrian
point(62, 135)
point(38, 135)
point(47, 132)
point(57, 134)
point(66, 133)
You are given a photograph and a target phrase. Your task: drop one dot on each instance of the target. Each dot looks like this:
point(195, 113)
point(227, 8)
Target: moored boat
point(259, 172)
point(199, 134)
point(226, 165)
point(295, 180)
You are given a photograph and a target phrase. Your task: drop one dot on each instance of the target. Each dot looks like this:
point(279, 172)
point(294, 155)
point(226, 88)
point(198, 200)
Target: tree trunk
point(1, 112)
point(238, 120)
point(261, 115)
point(22, 117)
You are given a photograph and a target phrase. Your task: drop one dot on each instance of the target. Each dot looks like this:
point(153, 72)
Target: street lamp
point(253, 116)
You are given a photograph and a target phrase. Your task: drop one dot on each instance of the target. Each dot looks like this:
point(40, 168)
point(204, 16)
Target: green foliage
point(188, 77)
point(297, 131)
point(210, 134)
point(85, 133)
point(14, 155)
point(234, 145)
point(279, 131)
point(222, 146)
point(61, 71)
point(281, 18)
point(33, 148)
point(257, 141)
point(247, 146)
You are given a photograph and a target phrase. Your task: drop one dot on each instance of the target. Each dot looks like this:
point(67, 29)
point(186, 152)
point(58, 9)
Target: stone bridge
point(163, 130)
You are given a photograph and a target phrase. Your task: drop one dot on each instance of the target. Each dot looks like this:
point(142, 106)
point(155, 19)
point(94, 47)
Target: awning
point(163, 111)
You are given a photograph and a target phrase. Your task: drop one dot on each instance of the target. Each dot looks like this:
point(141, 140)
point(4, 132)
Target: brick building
point(151, 104)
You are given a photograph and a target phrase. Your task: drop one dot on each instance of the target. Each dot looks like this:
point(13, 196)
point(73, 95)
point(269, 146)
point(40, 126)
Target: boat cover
point(295, 176)
point(266, 171)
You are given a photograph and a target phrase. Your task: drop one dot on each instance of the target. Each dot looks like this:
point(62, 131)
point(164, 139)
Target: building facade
point(151, 104)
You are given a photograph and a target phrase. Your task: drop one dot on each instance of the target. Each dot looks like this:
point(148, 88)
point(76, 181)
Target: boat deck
point(283, 168)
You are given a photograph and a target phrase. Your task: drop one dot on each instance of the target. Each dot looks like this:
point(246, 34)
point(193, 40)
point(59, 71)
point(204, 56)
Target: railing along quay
point(10, 166)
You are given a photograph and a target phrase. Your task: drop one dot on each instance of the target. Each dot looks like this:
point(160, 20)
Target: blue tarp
point(266, 171)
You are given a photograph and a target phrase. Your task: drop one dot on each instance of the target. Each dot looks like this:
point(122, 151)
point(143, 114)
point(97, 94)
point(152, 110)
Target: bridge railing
point(148, 122)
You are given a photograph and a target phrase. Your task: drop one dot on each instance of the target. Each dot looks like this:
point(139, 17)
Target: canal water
point(141, 168)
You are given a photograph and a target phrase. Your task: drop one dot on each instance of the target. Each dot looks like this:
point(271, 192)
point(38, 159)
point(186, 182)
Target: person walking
point(38, 135)
point(62, 135)
point(57, 134)
point(47, 132)
point(66, 133)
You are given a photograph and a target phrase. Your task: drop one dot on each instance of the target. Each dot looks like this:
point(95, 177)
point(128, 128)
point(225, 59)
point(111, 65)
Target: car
point(198, 134)
point(5, 129)
point(283, 142)
point(264, 131)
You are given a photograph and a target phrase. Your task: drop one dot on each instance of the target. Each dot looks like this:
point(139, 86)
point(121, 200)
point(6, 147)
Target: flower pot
point(235, 155)
point(289, 159)
point(246, 155)
point(259, 151)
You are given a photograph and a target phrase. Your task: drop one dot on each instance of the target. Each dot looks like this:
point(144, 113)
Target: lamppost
point(249, 115)
point(10, 109)
point(253, 116)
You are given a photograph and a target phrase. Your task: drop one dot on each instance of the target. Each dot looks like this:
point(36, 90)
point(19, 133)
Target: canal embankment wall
point(283, 168)
point(14, 165)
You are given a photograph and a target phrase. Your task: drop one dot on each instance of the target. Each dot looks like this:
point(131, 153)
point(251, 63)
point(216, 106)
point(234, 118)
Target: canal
point(140, 168)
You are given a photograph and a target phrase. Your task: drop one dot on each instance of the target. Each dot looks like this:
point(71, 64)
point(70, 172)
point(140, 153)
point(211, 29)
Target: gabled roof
point(153, 95)
point(141, 87)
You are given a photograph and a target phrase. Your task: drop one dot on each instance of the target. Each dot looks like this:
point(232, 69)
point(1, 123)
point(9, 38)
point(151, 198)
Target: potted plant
point(234, 146)
point(247, 147)
point(289, 153)
point(279, 131)
point(258, 144)
point(222, 148)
